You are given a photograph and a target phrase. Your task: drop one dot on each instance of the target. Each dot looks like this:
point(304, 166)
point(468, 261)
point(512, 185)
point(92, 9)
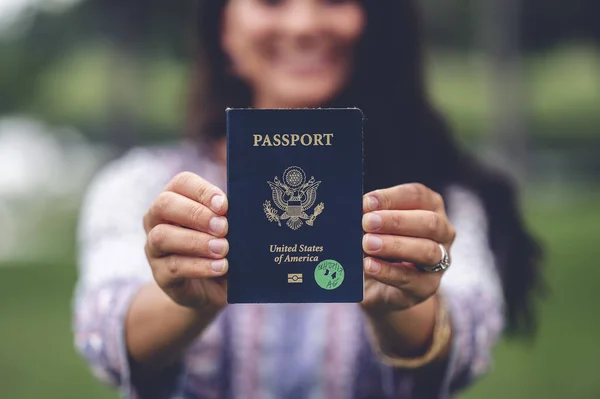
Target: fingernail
point(217, 202)
point(372, 266)
point(217, 225)
point(218, 266)
point(372, 203)
point(218, 246)
point(373, 243)
point(373, 221)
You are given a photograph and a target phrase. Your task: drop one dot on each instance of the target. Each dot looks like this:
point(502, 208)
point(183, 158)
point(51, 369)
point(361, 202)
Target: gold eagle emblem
point(294, 196)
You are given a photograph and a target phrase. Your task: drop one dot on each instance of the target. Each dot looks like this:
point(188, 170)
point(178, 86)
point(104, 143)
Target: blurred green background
point(83, 81)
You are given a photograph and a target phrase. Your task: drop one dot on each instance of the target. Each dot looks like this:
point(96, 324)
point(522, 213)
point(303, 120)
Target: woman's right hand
point(185, 226)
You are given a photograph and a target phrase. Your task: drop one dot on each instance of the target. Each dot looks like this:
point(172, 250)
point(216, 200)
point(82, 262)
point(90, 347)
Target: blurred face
point(292, 53)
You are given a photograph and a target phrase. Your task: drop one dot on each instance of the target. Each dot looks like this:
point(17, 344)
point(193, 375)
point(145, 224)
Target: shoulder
point(142, 167)
point(140, 172)
point(467, 213)
point(125, 182)
point(122, 190)
point(464, 203)
point(473, 261)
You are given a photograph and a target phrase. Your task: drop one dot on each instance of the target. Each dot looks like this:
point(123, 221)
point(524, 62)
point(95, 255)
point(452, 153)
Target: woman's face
point(292, 53)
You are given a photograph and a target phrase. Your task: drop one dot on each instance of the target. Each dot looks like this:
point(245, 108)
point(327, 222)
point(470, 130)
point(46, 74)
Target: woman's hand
point(404, 225)
point(186, 225)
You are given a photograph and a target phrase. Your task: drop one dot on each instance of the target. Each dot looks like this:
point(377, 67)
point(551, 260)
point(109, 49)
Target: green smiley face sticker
point(329, 274)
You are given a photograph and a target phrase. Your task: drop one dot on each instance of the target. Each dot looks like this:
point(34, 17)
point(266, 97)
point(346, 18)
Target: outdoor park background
point(82, 81)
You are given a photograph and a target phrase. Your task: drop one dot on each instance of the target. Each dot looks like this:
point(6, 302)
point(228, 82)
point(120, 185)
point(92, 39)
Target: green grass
point(37, 359)
point(564, 359)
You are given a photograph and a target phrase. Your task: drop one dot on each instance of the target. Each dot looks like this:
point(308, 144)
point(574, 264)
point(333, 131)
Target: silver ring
point(440, 267)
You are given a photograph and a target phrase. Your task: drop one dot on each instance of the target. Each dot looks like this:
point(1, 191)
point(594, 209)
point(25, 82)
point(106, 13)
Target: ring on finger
point(442, 265)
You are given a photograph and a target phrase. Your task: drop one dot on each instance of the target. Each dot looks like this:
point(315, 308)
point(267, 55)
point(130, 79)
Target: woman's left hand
point(403, 226)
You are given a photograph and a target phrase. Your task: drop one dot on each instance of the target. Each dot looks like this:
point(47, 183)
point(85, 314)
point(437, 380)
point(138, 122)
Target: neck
point(262, 101)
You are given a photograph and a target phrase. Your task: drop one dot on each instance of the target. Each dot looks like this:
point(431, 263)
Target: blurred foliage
point(548, 22)
point(122, 66)
point(563, 360)
point(563, 86)
point(544, 23)
point(94, 66)
point(37, 358)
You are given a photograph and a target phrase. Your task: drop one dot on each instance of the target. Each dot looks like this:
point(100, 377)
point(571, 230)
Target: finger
point(174, 268)
point(196, 188)
point(170, 207)
point(403, 197)
point(166, 239)
point(415, 223)
point(400, 248)
point(402, 275)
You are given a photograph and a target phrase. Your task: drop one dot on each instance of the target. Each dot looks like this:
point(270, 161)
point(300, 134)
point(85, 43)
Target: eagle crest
point(295, 197)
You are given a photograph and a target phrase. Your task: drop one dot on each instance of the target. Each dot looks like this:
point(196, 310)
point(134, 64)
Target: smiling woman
point(293, 54)
point(151, 311)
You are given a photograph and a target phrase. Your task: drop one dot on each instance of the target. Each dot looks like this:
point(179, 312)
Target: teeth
point(304, 59)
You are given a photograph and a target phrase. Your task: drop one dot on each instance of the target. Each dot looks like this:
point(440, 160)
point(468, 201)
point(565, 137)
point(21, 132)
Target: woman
point(151, 313)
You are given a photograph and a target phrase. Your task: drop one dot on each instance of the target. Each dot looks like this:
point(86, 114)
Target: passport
point(295, 187)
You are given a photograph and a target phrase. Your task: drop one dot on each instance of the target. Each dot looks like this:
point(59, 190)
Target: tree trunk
point(499, 35)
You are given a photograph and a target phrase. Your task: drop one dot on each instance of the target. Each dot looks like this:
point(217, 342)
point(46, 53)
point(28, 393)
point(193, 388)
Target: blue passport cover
point(295, 205)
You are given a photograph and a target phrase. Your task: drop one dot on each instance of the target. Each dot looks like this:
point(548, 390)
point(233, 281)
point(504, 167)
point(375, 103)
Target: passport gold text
point(287, 258)
point(295, 253)
point(293, 140)
point(295, 248)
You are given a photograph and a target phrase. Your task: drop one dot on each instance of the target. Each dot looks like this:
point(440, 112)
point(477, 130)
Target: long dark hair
point(406, 140)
